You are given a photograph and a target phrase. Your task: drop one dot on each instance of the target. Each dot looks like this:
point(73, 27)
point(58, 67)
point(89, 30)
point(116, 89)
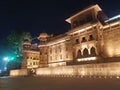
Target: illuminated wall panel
point(104, 69)
point(111, 38)
point(20, 72)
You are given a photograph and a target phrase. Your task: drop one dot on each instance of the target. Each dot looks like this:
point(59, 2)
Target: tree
point(15, 40)
point(14, 44)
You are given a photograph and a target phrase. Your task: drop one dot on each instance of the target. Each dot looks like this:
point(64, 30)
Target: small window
point(77, 41)
point(38, 63)
point(56, 50)
point(84, 39)
point(60, 56)
point(91, 37)
point(40, 53)
point(50, 51)
point(33, 63)
point(60, 49)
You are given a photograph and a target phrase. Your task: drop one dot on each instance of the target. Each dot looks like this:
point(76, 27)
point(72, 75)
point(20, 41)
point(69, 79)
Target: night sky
point(48, 16)
point(36, 16)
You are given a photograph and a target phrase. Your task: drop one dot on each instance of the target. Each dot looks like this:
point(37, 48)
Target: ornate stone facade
point(93, 38)
point(31, 56)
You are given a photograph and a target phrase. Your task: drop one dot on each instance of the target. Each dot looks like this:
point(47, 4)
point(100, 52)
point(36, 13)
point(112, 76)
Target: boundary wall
point(102, 69)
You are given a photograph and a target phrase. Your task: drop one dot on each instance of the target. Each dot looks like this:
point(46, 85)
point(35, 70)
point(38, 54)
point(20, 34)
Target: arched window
point(55, 50)
point(61, 56)
point(84, 39)
point(60, 49)
point(56, 57)
point(77, 41)
point(27, 57)
point(92, 51)
point(51, 51)
point(79, 54)
point(91, 37)
point(51, 58)
point(85, 52)
point(33, 63)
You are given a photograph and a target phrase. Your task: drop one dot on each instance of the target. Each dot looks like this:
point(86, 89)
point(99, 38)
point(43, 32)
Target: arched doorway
point(85, 52)
point(92, 51)
point(79, 54)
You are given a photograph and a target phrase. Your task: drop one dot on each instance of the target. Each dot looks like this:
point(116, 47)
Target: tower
point(26, 46)
point(43, 38)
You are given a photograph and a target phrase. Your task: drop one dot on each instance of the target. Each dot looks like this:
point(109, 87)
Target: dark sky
point(49, 16)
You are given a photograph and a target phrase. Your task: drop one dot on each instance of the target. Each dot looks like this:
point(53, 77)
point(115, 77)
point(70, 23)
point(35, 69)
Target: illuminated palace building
point(92, 39)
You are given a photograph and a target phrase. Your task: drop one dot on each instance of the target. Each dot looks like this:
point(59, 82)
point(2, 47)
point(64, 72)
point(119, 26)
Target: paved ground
point(58, 83)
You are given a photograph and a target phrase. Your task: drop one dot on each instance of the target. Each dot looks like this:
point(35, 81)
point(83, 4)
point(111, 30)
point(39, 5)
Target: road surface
point(59, 83)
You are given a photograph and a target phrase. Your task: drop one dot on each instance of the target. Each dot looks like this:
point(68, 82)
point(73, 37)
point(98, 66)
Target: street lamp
point(6, 59)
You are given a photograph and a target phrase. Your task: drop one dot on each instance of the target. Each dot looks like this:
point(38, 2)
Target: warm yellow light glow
point(60, 64)
point(21, 72)
point(83, 72)
point(57, 64)
point(110, 50)
point(60, 41)
point(112, 24)
point(115, 23)
point(106, 26)
point(87, 59)
point(60, 60)
point(92, 70)
point(84, 29)
point(117, 77)
point(84, 46)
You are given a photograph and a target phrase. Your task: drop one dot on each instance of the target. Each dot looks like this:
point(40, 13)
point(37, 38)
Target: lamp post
point(6, 59)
